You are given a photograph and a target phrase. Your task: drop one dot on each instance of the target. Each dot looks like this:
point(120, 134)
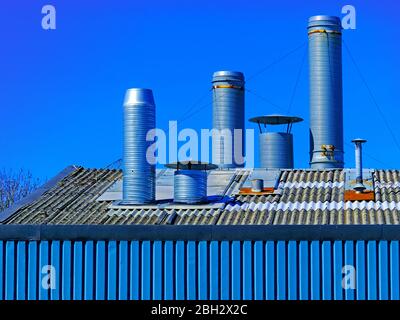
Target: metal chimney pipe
point(276, 148)
point(358, 159)
point(326, 97)
point(190, 181)
point(139, 172)
point(228, 115)
point(190, 186)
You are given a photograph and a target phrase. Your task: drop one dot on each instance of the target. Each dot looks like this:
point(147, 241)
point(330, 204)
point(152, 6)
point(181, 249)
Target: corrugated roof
point(302, 197)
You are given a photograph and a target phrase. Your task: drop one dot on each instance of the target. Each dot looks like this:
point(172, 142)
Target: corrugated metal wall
point(199, 269)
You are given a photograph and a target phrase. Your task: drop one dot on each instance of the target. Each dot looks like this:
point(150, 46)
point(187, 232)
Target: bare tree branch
point(15, 186)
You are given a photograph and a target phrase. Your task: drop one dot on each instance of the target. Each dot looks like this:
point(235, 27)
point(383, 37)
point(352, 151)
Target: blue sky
point(61, 91)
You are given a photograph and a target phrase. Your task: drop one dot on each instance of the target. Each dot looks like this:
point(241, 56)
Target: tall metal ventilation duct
point(228, 115)
point(326, 101)
point(138, 173)
point(190, 181)
point(276, 148)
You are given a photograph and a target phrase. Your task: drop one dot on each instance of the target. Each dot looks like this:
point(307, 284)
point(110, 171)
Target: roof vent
point(359, 186)
point(326, 97)
point(276, 148)
point(190, 181)
point(138, 173)
point(228, 116)
point(257, 185)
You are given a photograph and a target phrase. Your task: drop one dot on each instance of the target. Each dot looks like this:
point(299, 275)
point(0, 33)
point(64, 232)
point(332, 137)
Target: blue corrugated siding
point(157, 270)
point(349, 259)
point(88, 285)
point(1, 269)
point(270, 270)
point(191, 265)
point(169, 270)
point(32, 270)
point(198, 270)
point(337, 264)
point(315, 270)
point(123, 275)
point(203, 272)
point(292, 270)
point(100, 272)
point(134, 271)
point(78, 274)
point(180, 276)
point(112, 271)
point(44, 275)
point(304, 273)
point(55, 294)
point(214, 271)
point(281, 270)
point(394, 270)
point(259, 270)
point(225, 284)
point(10, 270)
point(383, 268)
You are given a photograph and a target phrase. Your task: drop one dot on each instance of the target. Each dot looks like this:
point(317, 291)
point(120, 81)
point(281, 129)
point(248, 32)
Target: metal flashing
point(169, 205)
point(351, 181)
point(270, 177)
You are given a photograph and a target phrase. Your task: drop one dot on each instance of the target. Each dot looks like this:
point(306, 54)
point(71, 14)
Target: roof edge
point(35, 195)
point(15, 232)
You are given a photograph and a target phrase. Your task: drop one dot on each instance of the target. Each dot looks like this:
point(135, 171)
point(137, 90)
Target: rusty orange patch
point(352, 195)
point(250, 192)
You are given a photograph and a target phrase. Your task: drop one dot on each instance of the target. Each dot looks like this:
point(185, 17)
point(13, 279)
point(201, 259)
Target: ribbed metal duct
point(326, 102)
point(228, 113)
point(276, 150)
point(139, 174)
point(190, 186)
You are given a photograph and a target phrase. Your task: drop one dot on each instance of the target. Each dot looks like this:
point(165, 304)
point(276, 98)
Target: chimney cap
point(275, 119)
point(135, 96)
point(358, 140)
point(324, 20)
point(228, 75)
point(191, 165)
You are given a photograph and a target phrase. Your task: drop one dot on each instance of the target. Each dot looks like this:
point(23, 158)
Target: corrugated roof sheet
point(302, 197)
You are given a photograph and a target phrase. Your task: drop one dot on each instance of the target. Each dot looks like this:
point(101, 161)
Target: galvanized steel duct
point(228, 114)
point(326, 102)
point(276, 150)
point(358, 161)
point(190, 186)
point(138, 173)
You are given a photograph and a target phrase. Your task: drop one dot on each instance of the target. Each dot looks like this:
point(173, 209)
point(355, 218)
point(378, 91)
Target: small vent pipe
point(257, 185)
point(359, 187)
